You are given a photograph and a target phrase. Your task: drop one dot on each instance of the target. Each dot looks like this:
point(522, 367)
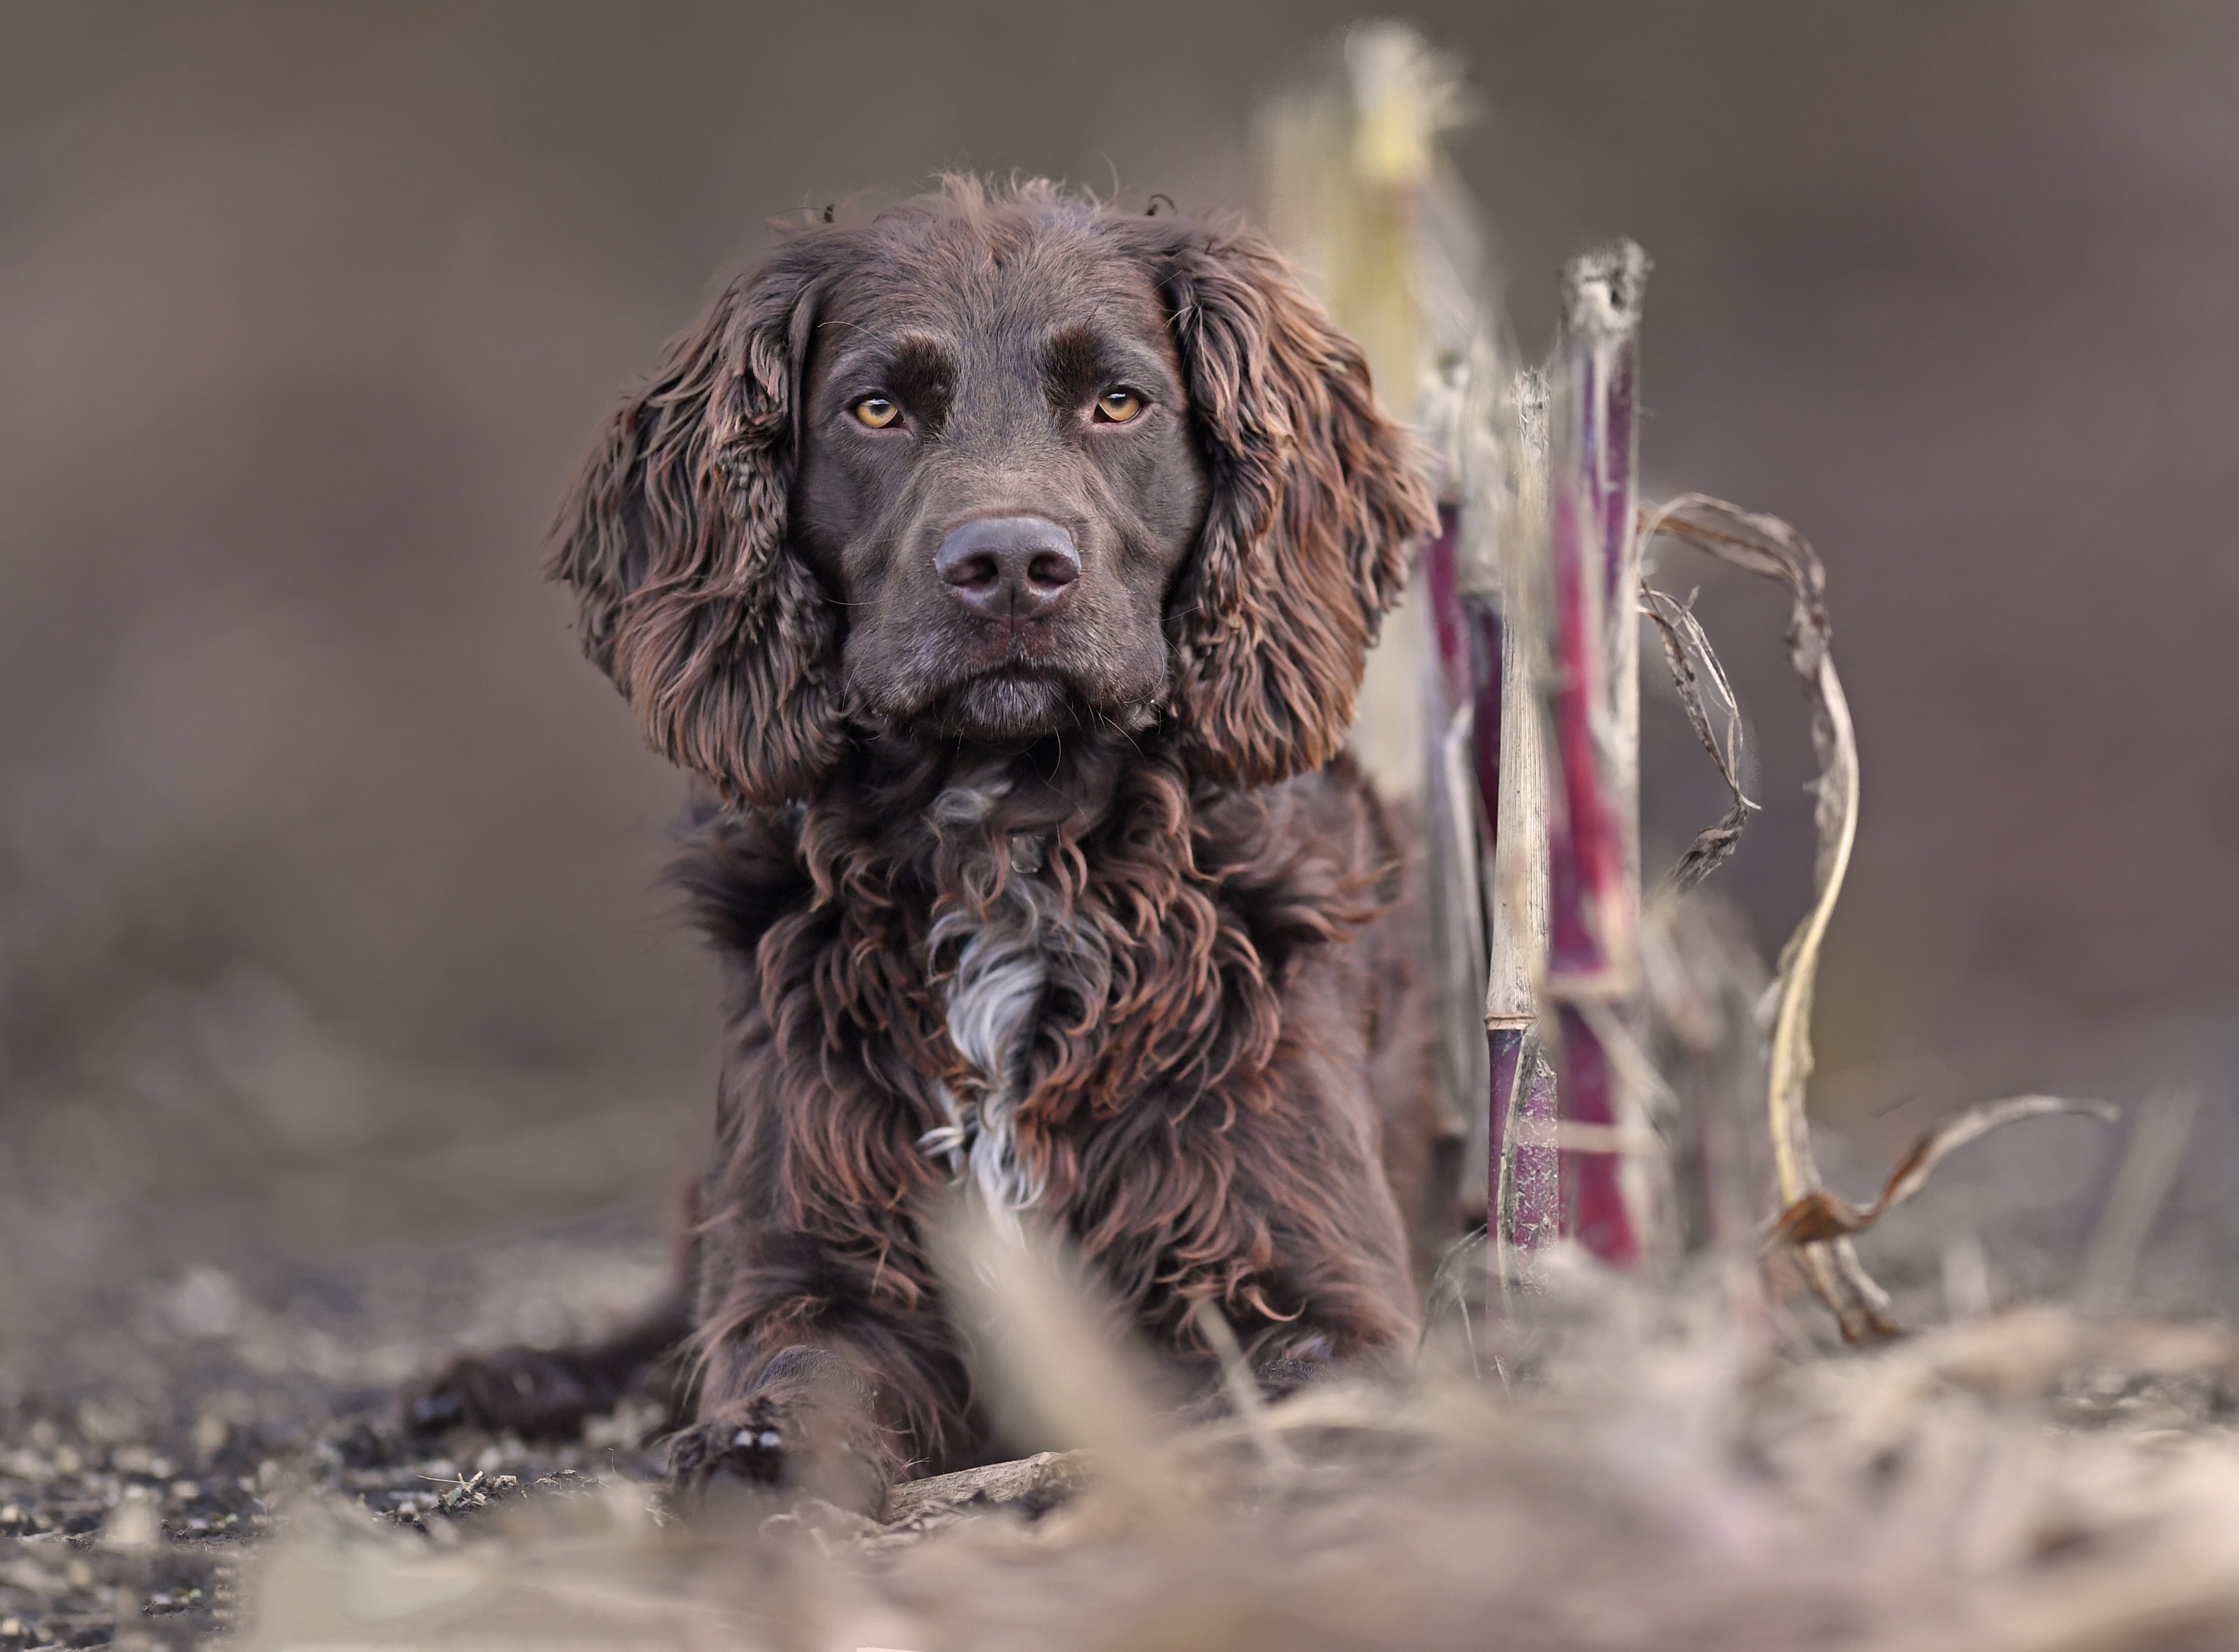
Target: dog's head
point(996, 468)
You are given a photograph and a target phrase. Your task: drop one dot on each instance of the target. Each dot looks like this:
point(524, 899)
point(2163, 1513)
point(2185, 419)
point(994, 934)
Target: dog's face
point(997, 468)
point(998, 480)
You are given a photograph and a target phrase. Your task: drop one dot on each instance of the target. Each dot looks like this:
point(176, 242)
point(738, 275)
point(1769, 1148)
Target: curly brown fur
point(1037, 869)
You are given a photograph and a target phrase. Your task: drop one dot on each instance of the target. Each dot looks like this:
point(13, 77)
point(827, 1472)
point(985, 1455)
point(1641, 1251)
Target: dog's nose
point(1008, 567)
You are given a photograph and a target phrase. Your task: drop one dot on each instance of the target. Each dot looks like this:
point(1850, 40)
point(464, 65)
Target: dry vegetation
point(1672, 1463)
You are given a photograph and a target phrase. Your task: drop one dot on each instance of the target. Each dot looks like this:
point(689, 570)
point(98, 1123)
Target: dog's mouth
point(1016, 701)
point(1006, 690)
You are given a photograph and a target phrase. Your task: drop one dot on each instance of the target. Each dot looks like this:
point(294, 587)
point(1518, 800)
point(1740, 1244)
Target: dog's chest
point(1001, 967)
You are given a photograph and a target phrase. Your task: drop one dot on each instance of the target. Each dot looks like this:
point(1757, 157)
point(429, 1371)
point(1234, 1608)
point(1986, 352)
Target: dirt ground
point(1616, 1465)
point(144, 1452)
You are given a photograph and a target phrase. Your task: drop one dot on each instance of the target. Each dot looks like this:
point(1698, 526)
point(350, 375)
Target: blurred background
point(327, 903)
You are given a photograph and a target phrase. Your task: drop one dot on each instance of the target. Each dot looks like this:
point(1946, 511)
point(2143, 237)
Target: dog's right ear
point(675, 540)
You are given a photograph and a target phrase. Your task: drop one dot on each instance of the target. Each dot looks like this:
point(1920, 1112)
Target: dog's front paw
point(757, 1444)
point(1276, 1375)
point(808, 1431)
point(1285, 1374)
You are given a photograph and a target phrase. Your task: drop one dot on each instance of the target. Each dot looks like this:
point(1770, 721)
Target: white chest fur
point(998, 992)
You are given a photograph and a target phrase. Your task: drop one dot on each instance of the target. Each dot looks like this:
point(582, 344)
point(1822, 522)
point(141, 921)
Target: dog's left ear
point(674, 539)
point(1317, 497)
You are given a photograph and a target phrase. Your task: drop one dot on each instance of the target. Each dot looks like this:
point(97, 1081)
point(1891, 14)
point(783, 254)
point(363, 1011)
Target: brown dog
point(1003, 567)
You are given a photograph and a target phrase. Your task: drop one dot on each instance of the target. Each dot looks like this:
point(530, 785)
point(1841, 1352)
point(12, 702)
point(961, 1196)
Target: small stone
point(133, 1525)
point(111, 1425)
point(207, 1304)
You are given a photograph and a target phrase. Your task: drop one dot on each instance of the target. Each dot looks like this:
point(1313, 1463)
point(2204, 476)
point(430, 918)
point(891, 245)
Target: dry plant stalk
point(1593, 845)
point(1048, 1349)
point(1606, 1154)
point(1529, 658)
point(1523, 1192)
point(1772, 550)
point(1361, 193)
point(1812, 1220)
point(1465, 632)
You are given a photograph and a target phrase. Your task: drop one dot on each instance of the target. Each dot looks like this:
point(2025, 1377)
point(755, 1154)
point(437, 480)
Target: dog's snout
point(1008, 567)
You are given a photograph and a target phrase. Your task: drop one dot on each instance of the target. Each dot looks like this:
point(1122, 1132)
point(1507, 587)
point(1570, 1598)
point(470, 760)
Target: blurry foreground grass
point(1622, 1465)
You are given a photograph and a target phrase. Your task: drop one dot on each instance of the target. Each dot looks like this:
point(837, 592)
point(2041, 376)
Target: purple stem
point(1448, 623)
point(1591, 491)
point(1535, 1211)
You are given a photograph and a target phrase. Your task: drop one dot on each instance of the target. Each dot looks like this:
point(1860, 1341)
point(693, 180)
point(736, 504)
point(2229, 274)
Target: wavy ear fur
point(673, 538)
point(1317, 496)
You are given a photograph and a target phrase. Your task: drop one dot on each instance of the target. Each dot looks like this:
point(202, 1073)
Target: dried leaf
point(1768, 548)
point(1684, 642)
point(1820, 1216)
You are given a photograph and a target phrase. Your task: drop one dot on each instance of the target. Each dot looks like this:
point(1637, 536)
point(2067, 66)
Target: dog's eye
point(877, 412)
point(1117, 407)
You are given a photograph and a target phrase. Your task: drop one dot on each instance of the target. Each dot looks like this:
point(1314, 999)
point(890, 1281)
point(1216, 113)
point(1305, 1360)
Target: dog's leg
point(1282, 1371)
point(545, 1394)
point(1337, 1289)
point(800, 1394)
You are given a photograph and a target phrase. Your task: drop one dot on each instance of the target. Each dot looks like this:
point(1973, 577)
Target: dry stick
point(1452, 811)
point(1052, 1359)
point(1593, 846)
point(1243, 1390)
point(1523, 1197)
